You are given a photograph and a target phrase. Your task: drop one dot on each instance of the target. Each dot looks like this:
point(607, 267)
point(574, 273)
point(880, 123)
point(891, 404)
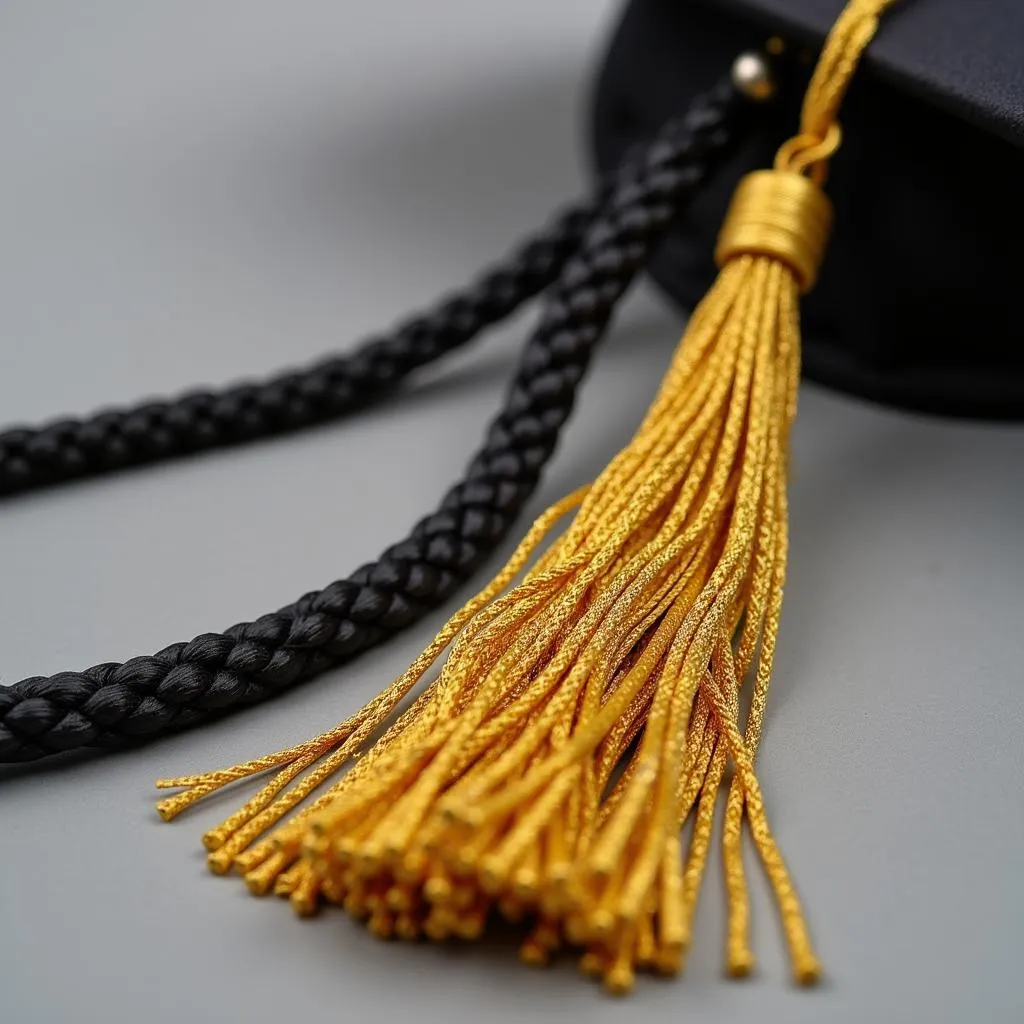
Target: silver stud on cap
point(753, 77)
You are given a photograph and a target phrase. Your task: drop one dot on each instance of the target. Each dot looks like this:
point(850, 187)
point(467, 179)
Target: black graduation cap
point(918, 303)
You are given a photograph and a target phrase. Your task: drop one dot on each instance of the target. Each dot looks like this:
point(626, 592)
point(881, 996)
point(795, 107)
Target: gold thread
point(581, 717)
point(779, 214)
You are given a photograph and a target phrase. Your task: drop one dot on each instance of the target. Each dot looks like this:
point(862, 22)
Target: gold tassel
point(582, 717)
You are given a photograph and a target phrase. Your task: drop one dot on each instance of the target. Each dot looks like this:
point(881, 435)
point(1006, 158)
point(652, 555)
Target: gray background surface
point(193, 191)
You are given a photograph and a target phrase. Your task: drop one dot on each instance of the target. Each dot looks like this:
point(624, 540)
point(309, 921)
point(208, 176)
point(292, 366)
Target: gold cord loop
point(809, 151)
point(782, 215)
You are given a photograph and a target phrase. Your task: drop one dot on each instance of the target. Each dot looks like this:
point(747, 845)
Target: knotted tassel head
point(780, 215)
point(583, 716)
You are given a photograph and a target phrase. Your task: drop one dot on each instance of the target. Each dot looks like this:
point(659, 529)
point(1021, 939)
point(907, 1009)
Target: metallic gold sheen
point(582, 716)
point(782, 215)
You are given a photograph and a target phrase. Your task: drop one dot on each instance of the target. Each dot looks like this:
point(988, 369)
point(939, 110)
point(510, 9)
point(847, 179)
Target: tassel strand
point(582, 716)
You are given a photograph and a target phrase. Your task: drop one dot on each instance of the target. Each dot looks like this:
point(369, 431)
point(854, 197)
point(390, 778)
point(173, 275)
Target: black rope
point(113, 704)
point(36, 457)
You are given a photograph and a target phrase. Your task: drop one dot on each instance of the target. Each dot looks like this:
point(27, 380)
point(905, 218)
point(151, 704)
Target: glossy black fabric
point(962, 56)
point(919, 301)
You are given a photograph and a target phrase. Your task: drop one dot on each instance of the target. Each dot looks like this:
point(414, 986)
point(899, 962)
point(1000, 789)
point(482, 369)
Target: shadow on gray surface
point(839, 443)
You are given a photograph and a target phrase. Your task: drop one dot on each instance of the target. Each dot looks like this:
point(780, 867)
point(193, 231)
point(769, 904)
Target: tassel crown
point(782, 216)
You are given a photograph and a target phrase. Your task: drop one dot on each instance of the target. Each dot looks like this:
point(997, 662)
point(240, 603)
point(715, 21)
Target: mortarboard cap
point(918, 303)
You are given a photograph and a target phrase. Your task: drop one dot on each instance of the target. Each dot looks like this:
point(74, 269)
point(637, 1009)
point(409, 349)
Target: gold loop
point(807, 154)
point(844, 47)
point(780, 214)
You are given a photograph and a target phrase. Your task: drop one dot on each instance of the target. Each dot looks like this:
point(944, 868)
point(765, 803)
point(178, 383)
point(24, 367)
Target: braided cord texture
point(35, 457)
point(118, 704)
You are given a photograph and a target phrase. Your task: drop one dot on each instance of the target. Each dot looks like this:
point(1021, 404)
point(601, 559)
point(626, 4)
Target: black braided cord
point(114, 705)
point(36, 457)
